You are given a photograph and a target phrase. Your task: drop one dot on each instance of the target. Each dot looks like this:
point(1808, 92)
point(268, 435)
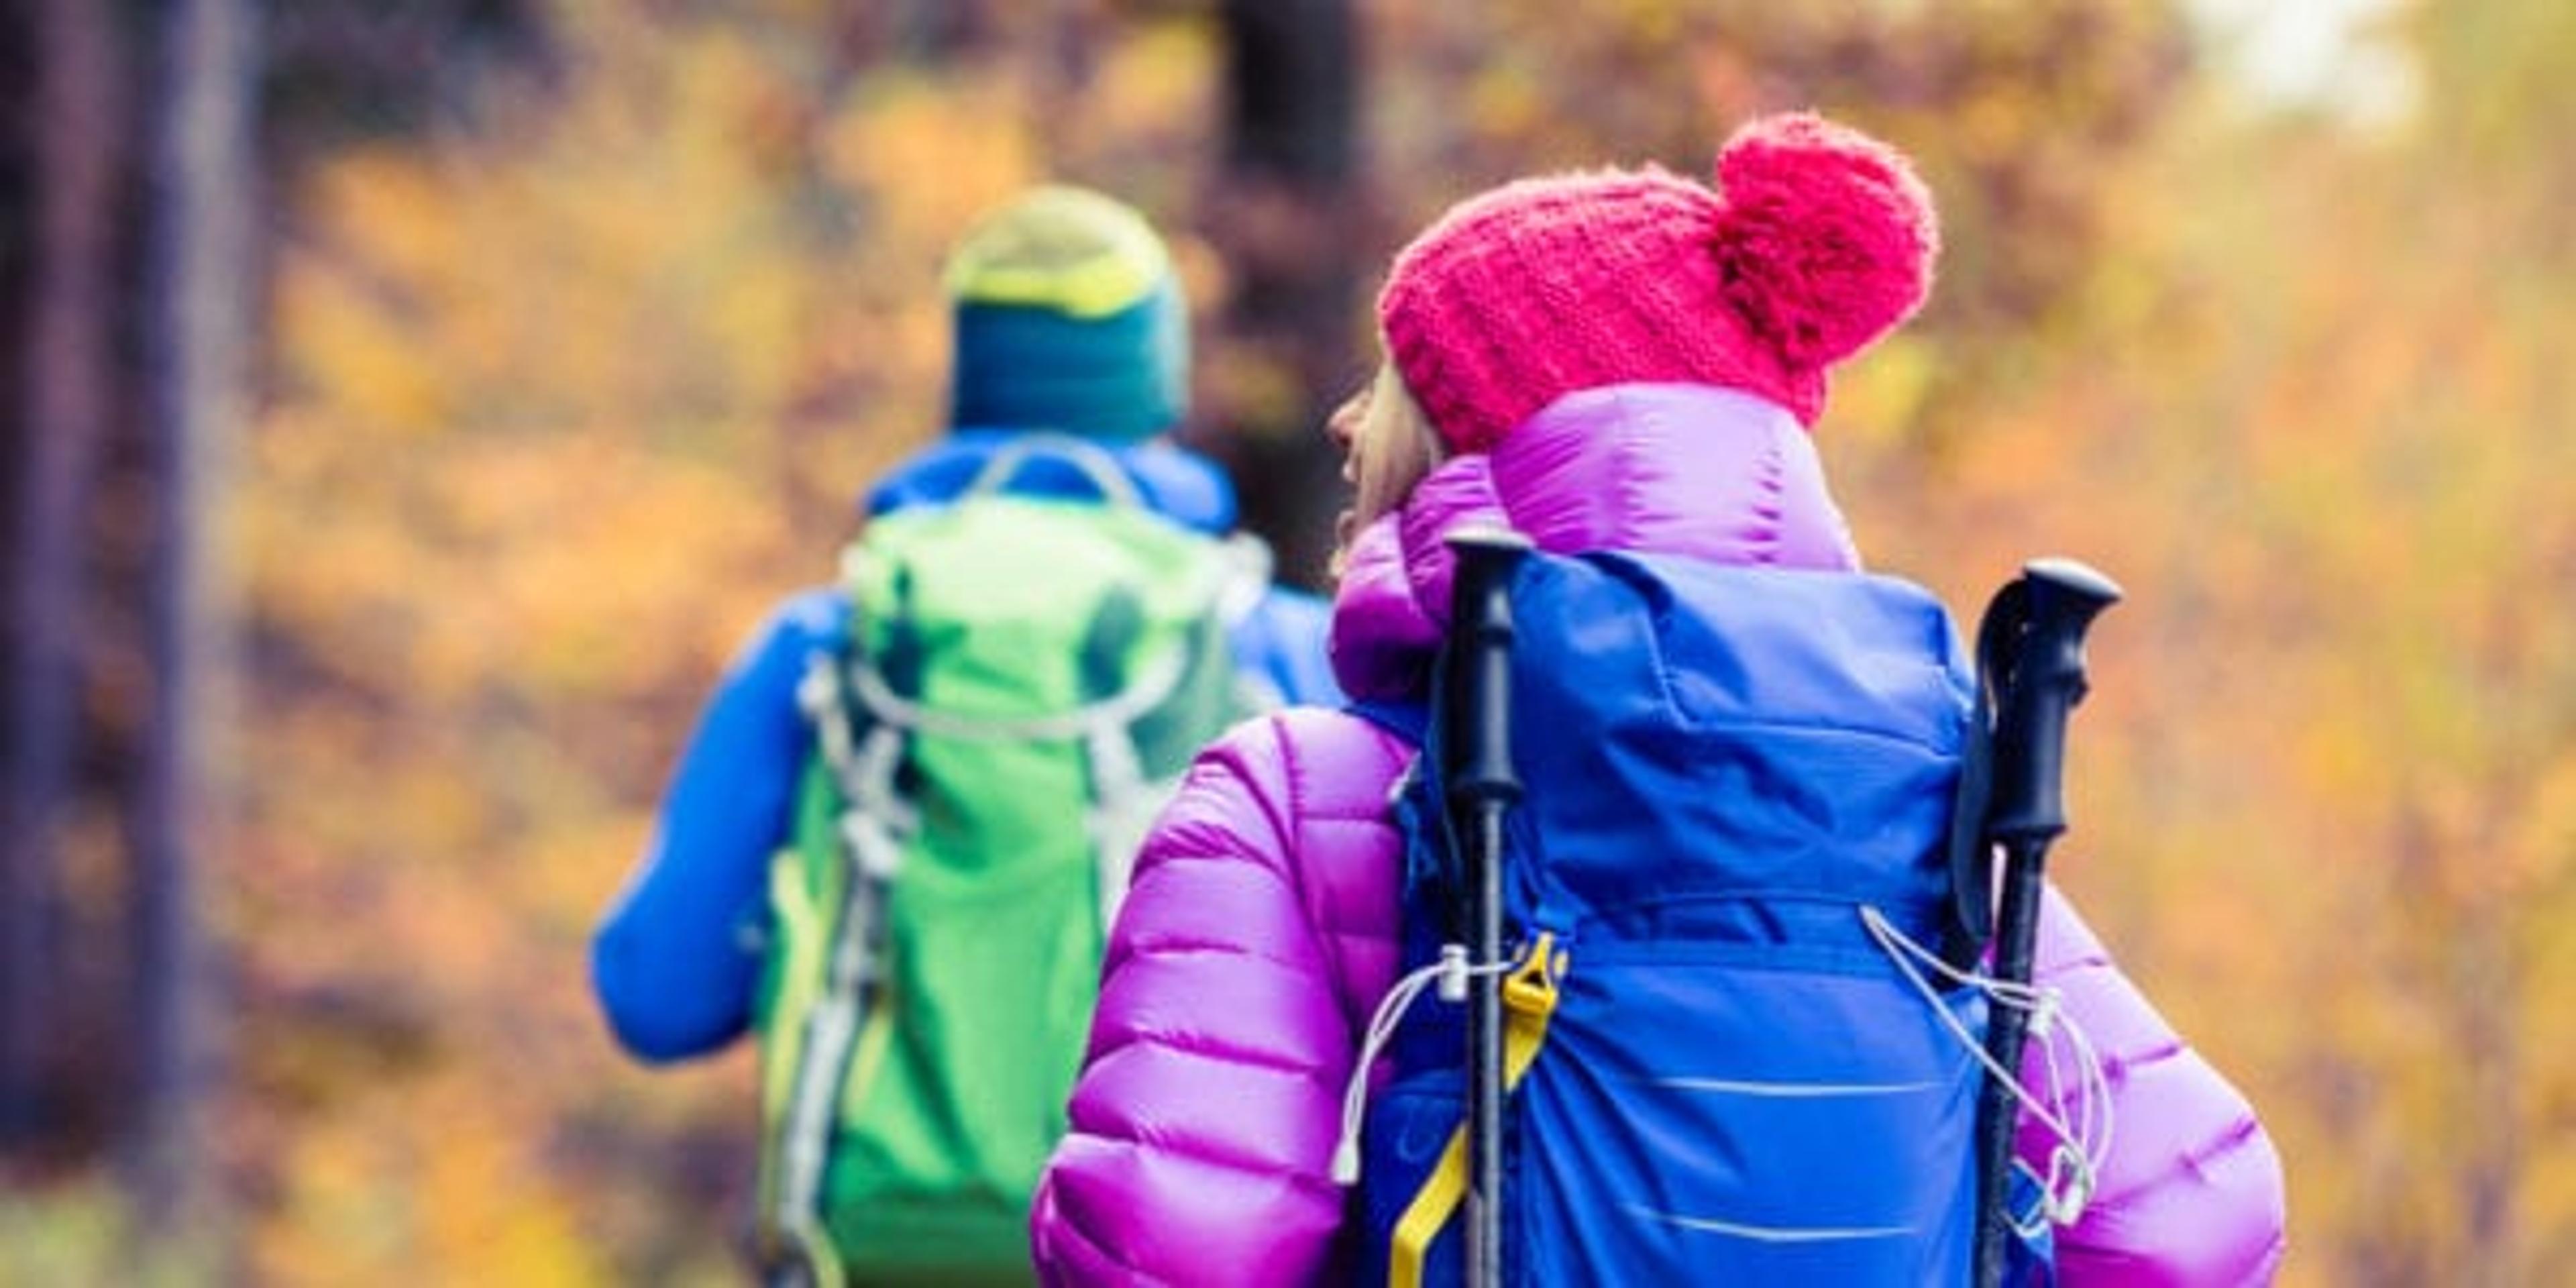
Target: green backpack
point(1026, 681)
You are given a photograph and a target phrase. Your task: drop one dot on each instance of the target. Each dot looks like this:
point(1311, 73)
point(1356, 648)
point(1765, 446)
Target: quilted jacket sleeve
point(1202, 1123)
point(2191, 1193)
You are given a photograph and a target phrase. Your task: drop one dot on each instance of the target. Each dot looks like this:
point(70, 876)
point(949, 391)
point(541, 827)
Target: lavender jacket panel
point(1262, 925)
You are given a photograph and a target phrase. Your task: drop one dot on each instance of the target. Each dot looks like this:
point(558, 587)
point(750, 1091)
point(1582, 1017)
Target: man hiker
point(904, 820)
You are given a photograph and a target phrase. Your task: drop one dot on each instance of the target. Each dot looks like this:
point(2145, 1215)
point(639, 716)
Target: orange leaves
point(438, 1182)
point(562, 403)
point(951, 154)
point(561, 409)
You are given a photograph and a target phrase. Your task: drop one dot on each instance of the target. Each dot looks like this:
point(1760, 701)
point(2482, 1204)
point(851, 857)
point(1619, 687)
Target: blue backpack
point(1720, 1066)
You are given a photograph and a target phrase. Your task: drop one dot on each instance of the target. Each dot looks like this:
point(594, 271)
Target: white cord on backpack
point(1450, 974)
point(2073, 1177)
point(2082, 1147)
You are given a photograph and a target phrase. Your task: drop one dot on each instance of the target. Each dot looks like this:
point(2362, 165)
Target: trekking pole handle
point(2045, 682)
point(2032, 642)
point(1481, 788)
point(1480, 620)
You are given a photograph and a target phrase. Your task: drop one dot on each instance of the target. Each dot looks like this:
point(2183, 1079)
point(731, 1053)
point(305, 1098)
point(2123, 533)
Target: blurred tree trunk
point(945, 30)
point(1287, 215)
point(66, 138)
point(203, 186)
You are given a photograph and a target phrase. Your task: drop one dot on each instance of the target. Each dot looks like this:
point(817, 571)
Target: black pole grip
point(1478, 740)
point(2043, 682)
point(1476, 743)
point(2032, 646)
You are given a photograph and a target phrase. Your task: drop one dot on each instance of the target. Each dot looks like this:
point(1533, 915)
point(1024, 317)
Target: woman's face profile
point(1386, 446)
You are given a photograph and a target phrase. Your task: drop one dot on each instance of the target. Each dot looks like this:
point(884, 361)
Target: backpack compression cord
point(1482, 788)
point(2030, 656)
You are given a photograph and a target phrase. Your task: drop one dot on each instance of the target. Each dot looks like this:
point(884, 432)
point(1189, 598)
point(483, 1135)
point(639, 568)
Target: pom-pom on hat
point(1069, 318)
point(1815, 241)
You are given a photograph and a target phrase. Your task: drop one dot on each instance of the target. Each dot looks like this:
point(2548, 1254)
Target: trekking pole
point(1481, 790)
point(2032, 645)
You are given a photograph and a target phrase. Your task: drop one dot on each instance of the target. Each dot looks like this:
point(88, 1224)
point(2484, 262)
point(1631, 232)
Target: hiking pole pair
point(1476, 742)
point(2030, 663)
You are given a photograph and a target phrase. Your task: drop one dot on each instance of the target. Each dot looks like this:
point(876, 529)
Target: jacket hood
point(1693, 471)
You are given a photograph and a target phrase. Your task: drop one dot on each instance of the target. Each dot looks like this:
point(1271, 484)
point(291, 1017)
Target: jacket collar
point(1691, 471)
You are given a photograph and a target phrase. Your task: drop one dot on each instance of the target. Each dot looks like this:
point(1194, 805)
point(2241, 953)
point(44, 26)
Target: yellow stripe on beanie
point(1062, 248)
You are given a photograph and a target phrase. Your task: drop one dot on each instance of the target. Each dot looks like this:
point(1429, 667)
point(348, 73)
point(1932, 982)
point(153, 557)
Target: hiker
point(1043, 616)
point(1625, 366)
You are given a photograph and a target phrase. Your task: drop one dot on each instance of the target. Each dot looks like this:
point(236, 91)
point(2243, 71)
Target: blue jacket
point(678, 957)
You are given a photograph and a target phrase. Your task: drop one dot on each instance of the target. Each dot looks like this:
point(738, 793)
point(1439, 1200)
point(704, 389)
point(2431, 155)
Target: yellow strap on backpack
point(1529, 997)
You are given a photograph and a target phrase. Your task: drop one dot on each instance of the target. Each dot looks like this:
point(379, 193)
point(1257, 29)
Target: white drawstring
point(2078, 1173)
point(1450, 973)
point(2075, 1161)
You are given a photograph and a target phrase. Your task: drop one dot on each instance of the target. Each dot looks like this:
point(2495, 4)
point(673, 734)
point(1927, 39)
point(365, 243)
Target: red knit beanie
point(1816, 241)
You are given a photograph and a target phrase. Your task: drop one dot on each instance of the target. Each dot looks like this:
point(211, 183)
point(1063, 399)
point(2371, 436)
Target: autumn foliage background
point(571, 360)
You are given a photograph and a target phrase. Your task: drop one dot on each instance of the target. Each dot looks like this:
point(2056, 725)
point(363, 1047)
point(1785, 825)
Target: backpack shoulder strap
point(1409, 720)
point(1097, 466)
point(861, 754)
point(1970, 922)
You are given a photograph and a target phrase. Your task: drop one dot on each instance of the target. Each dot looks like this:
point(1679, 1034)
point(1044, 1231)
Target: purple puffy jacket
point(1261, 928)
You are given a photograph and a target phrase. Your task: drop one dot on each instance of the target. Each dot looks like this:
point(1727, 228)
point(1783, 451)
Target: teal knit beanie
point(1069, 318)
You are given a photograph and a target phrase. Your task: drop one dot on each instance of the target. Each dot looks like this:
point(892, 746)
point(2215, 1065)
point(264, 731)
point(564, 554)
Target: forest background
point(414, 402)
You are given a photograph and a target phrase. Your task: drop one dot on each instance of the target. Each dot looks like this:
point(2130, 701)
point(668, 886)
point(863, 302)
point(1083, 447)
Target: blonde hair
point(1397, 446)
